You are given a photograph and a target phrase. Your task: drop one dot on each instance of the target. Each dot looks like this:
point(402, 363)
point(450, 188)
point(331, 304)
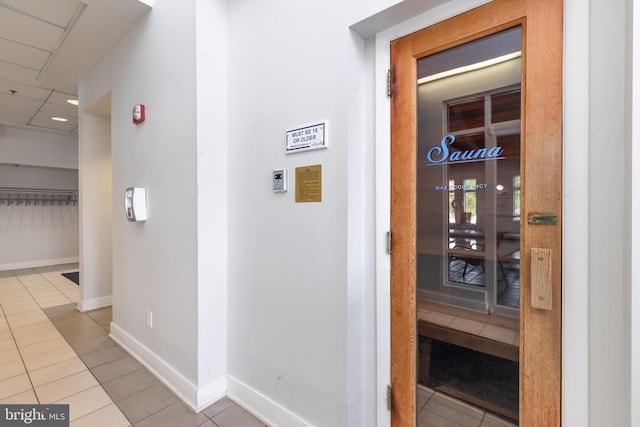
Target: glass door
point(468, 224)
point(476, 184)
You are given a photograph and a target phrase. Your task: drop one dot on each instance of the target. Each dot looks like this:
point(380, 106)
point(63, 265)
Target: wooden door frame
point(540, 372)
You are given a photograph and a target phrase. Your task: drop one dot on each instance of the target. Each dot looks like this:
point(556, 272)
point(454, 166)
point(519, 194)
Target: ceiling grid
point(46, 48)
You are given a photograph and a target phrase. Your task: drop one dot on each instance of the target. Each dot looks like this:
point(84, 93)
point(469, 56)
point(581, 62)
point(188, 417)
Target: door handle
point(541, 278)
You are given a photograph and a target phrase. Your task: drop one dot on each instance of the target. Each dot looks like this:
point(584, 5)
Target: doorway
point(475, 213)
point(96, 206)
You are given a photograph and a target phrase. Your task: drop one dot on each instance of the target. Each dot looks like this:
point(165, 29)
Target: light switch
point(280, 181)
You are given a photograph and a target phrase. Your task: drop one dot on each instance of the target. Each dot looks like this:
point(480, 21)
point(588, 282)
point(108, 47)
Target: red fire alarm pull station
point(138, 114)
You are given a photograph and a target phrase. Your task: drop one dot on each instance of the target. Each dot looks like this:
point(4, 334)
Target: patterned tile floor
point(52, 353)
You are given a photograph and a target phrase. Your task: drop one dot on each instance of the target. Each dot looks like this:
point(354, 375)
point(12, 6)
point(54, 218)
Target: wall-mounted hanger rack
point(37, 197)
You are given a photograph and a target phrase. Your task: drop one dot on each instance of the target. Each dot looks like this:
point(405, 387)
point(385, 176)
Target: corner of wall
point(94, 303)
point(163, 371)
point(261, 406)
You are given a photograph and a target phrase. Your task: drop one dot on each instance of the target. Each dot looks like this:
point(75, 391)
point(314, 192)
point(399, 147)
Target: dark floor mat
point(74, 277)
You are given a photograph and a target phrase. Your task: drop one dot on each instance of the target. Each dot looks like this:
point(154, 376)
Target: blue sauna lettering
point(441, 155)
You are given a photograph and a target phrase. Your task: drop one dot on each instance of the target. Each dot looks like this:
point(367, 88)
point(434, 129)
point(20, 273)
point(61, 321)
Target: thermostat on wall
point(280, 181)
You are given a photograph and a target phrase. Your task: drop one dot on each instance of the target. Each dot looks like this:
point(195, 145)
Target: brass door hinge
point(389, 397)
point(389, 84)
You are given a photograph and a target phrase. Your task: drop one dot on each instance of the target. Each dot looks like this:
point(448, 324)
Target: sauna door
point(476, 218)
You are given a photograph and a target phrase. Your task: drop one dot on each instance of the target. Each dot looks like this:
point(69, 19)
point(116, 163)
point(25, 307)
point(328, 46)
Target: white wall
point(575, 298)
point(294, 290)
point(608, 227)
point(174, 264)
point(287, 260)
point(38, 235)
point(597, 318)
point(155, 262)
point(37, 177)
point(301, 341)
point(301, 275)
point(96, 209)
point(212, 213)
point(33, 148)
point(634, 253)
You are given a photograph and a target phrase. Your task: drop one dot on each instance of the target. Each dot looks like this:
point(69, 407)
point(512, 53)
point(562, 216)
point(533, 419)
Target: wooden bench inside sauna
point(484, 340)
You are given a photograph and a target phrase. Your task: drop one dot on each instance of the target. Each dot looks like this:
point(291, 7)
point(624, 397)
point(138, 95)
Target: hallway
point(52, 353)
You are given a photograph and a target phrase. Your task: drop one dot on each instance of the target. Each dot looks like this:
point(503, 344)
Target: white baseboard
point(199, 398)
point(92, 304)
point(38, 263)
point(261, 406)
point(181, 386)
point(212, 392)
point(196, 399)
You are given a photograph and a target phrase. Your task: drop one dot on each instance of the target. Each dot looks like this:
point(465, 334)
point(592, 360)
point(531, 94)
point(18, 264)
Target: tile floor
point(439, 410)
point(52, 353)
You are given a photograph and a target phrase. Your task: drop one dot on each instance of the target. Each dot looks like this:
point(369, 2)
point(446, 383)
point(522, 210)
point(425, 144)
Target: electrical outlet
point(149, 319)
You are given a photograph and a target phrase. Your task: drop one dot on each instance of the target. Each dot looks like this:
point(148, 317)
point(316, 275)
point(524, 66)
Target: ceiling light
point(59, 119)
point(73, 102)
point(472, 67)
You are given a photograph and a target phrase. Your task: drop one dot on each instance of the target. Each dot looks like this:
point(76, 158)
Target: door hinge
point(389, 397)
point(389, 242)
point(389, 85)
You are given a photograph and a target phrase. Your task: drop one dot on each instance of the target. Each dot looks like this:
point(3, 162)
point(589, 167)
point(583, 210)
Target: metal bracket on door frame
point(389, 242)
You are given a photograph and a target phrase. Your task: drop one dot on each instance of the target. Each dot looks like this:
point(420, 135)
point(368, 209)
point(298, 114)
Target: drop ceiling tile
point(58, 12)
point(59, 110)
point(24, 56)
point(20, 101)
point(14, 116)
point(60, 98)
point(24, 90)
point(29, 31)
point(44, 120)
point(54, 127)
point(15, 73)
point(41, 24)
